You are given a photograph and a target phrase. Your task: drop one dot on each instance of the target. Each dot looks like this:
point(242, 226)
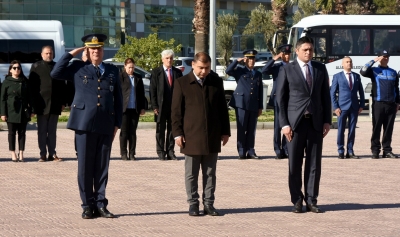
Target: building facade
point(169, 18)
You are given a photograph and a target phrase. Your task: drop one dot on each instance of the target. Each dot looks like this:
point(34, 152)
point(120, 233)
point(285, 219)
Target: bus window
point(26, 51)
point(387, 40)
point(350, 41)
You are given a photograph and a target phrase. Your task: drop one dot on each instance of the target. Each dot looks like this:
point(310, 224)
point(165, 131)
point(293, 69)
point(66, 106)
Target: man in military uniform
point(247, 100)
point(96, 115)
point(386, 102)
point(271, 67)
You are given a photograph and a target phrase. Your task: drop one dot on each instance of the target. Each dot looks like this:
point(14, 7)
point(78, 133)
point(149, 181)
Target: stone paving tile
point(360, 197)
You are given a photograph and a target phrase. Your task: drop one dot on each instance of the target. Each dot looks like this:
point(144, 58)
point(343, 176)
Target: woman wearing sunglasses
point(15, 108)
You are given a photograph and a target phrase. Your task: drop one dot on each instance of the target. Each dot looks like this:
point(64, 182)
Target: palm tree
point(201, 25)
point(279, 8)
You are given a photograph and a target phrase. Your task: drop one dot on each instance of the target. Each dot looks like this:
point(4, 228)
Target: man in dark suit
point(200, 121)
point(96, 115)
point(273, 68)
point(345, 86)
point(133, 106)
point(50, 98)
point(161, 88)
point(247, 100)
point(305, 116)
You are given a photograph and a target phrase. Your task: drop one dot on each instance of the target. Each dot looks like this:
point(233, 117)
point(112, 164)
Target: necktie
point(308, 76)
point(97, 69)
point(169, 76)
point(350, 81)
point(309, 83)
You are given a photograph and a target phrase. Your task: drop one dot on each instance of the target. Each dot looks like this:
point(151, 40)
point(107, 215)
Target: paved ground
point(360, 197)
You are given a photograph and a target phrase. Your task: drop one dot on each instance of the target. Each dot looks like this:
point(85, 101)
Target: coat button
point(98, 96)
point(251, 93)
point(98, 104)
point(99, 80)
point(74, 105)
point(98, 88)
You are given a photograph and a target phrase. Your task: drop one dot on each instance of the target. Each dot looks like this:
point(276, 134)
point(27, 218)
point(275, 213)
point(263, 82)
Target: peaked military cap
point(384, 53)
point(250, 53)
point(94, 40)
point(285, 48)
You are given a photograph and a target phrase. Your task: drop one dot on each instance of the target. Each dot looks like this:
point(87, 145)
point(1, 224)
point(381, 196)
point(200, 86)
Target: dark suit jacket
point(126, 87)
point(97, 105)
point(199, 113)
point(272, 68)
point(347, 99)
point(248, 94)
point(157, 82)
point(48, 95)
point(293, 95)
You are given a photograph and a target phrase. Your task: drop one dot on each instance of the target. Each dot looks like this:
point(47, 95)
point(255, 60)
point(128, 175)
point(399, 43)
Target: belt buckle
point(307, 116)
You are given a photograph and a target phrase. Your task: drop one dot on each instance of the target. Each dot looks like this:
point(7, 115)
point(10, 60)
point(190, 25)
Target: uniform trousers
point(305, 139)
point(165, 142)
point(246, 122)
point(47, 133)
point(93, 161)
point(280, 146)
point(208, 164)
point(352, 116)
point(13, 128)
point(383, 114)
point(130, 121)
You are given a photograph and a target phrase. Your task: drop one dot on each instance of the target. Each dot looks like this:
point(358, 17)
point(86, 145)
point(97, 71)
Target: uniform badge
point(111, 76)
point(85, 81)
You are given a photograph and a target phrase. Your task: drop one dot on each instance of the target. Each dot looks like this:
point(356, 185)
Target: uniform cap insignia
point(95, 40)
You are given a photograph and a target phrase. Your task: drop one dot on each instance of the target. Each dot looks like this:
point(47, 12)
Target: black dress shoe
point(253, 156)
point(87, 213)
point(132, 157)
point(278, 157)
point(352, 156)
point(194, 210)
point(313, 208)
point(375, 155)
point(298, 207)
point(172, 157)
point(285, 156)
point(389, 155)
point(341, 156)
point(124, 157)
point(105, 213)
point(210, 210)
point(242, 157)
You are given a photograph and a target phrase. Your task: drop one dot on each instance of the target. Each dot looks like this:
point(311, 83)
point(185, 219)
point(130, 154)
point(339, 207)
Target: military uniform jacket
point(199, 113)
point(272, 68)
point(97, 105)
point(248, 94)
point(15, 100)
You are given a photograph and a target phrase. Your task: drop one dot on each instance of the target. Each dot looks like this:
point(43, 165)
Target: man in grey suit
point(305, 115)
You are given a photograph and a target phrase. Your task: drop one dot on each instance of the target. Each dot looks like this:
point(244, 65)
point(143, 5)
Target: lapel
point(314, 75)
point(162, 76)
point(92, 71)
point(299, 71)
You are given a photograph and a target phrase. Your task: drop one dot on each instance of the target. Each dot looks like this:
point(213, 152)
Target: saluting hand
point(224, 139)
point(180, 141)
point(76, 51)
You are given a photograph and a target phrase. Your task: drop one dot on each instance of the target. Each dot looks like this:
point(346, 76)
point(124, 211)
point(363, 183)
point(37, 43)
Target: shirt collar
point(198, 78)
point(301, 63)
point(165, 68)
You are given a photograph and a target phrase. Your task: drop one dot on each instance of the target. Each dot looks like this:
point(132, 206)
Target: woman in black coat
point(15, 107)
point(133, 106)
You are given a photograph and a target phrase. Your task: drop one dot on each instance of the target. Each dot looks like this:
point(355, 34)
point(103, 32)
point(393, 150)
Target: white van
point(23, 41)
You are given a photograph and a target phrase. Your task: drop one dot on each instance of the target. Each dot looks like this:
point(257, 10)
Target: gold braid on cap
point(94, 43)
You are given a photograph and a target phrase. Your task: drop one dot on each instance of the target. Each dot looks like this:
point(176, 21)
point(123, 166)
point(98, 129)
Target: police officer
point(273, 68)
point(96, 115)
point(385, 94)
point(247, 100)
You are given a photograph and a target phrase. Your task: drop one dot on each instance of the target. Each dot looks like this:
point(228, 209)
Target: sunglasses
point(16, 68)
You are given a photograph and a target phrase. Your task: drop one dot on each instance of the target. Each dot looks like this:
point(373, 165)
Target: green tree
point(201, 25)
point(261, 23)
point(306, 8)
point(387, 6)
point(279, 9)
point(145, 51)
point(226, 25)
